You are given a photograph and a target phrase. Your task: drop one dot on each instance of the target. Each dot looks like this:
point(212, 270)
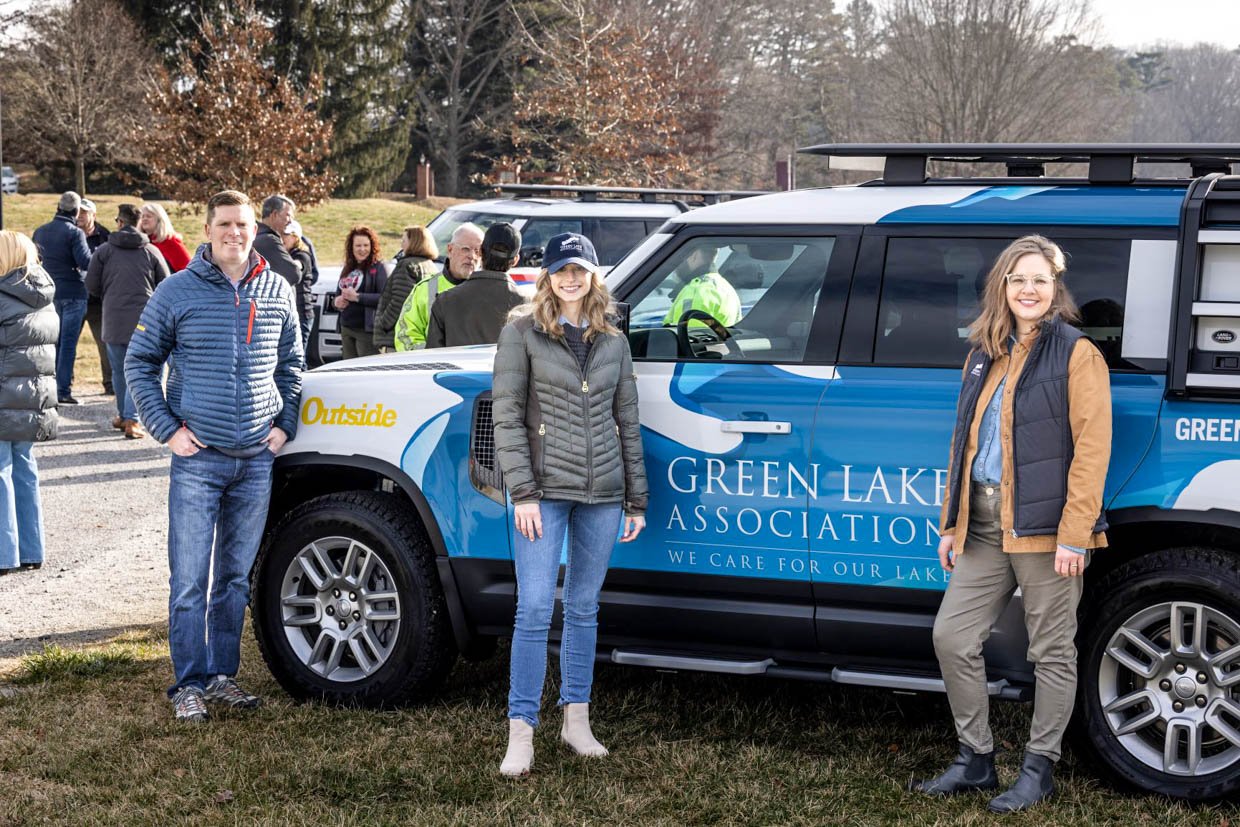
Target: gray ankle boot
point(970, 771)
point(1034, 784)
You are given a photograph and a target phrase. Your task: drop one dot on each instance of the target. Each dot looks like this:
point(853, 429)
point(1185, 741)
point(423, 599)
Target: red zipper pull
point(249, 331)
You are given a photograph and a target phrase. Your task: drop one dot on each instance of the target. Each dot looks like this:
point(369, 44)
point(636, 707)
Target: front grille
point(484, 470)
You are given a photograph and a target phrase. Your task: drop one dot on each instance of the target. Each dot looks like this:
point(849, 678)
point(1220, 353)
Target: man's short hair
point(70, 202)
point(226, 198)
point(468, 227)
point(128, 215)
point(273, 204)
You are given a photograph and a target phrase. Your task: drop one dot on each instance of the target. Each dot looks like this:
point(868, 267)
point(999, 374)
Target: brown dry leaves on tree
point(225, 121)
point(613, 103)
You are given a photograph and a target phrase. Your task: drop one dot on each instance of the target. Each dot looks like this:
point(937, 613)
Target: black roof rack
point(1108, 163)
point(643, 194)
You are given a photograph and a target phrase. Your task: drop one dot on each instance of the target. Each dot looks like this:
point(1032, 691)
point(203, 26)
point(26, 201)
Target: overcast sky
point(1129, 23)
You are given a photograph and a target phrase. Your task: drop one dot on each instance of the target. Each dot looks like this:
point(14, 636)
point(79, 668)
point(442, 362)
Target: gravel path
point(105, 511)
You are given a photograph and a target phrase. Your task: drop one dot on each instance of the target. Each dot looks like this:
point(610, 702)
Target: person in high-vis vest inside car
point(464, 256)
point(705, 291)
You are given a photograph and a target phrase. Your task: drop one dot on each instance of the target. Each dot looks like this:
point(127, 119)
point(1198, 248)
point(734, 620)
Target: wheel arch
point(1135, 532)
point(299, 477)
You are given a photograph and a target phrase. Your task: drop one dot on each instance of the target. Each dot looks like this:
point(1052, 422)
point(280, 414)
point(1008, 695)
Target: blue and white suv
point(797, 459)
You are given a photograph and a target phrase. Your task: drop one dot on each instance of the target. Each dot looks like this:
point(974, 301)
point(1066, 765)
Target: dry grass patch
point(97, 744)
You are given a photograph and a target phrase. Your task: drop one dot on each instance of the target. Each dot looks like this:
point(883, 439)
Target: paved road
point(105, 511)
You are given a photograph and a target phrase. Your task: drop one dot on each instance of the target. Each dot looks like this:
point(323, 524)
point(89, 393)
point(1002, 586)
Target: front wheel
point(347, 605)
point(1160, 673)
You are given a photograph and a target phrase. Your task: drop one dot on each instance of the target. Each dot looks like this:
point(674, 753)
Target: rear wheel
point(1160, 673)
point(347, 605)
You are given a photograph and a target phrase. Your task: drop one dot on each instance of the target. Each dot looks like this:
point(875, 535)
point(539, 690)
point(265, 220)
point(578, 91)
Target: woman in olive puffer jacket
point(569, 443)
point(29, 329)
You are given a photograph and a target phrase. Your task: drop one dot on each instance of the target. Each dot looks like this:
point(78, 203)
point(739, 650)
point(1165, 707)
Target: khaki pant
point(983, 581)
point(355, 343)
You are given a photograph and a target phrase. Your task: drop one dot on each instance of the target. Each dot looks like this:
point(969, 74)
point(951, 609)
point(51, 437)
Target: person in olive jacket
point(29, 329)
point(415, 263)
point(569, 443)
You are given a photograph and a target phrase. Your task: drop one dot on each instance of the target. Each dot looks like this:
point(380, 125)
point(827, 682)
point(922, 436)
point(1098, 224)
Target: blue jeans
point(21, 513)
point(72, 313)
point(589, 532)
point(217, 506)
point(125, 406)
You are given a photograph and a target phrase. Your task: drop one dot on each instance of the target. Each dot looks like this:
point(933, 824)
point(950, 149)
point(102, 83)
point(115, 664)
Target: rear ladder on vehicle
point(1204, 358)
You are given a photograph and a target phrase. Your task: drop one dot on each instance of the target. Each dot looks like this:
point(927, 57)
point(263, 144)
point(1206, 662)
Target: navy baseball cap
point(569, 248)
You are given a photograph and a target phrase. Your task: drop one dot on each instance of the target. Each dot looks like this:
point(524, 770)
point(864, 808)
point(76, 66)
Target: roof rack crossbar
point(648, 195)
point(1108, 163)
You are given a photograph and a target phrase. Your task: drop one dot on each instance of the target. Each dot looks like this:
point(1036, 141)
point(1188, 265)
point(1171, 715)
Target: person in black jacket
point(295, 243)
point(96, 237)
point(29, 329)
point(362, 280)
point(269, 243)
point(475, 312)
point(64, 254)
point(124, 273)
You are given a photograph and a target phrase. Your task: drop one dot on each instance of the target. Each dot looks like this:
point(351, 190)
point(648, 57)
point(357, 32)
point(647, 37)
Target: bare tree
point(988, 70)
point(71, 87)
point(1198, 98)
point(461, 54)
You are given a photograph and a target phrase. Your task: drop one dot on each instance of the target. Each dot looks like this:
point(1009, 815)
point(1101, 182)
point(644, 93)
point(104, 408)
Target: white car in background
point(8, 181)
point(615, 219)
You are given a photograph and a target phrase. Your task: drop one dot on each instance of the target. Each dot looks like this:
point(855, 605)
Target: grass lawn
point(326, 225)
point(88, 738)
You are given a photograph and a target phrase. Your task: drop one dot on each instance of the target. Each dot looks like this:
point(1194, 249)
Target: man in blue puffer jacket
point(229, 325)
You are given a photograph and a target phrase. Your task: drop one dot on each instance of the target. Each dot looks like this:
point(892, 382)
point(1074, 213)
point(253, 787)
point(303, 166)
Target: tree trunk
point(451, 160)
point(79, 166)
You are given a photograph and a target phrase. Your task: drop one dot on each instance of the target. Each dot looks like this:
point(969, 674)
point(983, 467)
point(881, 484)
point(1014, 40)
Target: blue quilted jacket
point(235, 366)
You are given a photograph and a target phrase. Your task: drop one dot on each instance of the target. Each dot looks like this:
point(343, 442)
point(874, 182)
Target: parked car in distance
point(8, 181)
point(616, 219)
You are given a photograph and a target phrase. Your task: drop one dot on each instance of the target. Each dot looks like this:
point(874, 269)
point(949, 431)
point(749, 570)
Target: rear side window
point(613, 238)
point(931, 287)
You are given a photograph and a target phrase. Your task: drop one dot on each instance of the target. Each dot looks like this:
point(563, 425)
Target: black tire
point(418, 651)
point(1192, 587)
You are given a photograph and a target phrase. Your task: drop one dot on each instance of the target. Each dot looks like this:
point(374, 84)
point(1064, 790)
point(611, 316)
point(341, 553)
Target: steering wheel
point(721, 332)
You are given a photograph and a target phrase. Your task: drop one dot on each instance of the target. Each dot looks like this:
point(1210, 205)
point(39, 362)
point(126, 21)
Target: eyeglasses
point(1020, 282)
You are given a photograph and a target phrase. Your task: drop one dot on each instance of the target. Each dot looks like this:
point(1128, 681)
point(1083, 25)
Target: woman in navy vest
point(1023, 508)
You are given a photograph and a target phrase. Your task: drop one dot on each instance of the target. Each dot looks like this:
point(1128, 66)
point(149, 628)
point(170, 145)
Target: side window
point(538, 232)
point(931, 288)
point(733, 298)
point(614, 237)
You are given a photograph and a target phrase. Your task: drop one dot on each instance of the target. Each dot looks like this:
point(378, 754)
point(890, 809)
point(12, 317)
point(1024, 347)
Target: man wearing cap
point(62, 246)
point(96, 237)
point(464, 254)
point(475, 312)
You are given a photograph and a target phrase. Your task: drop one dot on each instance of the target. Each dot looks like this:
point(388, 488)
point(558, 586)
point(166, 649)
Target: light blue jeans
point(217, 507)
point(589, 533)
point(21, 512)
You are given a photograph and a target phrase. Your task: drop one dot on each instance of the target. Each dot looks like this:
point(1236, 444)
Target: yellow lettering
point(314, 412)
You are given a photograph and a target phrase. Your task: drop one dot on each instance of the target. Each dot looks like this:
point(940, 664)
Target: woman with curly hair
point(357, 295)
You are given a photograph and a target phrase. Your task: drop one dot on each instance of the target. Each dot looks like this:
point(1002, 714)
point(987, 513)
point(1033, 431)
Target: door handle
point(755, 426)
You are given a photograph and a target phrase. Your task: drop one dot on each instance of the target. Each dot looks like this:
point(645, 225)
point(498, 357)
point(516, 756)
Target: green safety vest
point(712, 294)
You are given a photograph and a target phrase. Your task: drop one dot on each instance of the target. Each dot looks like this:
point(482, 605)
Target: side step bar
point(852, 677)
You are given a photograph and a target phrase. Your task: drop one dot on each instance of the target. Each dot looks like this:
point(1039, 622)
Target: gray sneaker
point(224, 690)
point(189, 705)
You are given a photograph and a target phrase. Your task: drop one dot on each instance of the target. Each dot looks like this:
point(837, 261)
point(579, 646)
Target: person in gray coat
point(29, 329)
point(124, 273)
point(569, 443)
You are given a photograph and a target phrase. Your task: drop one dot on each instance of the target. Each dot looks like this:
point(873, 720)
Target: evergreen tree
point(356, 46)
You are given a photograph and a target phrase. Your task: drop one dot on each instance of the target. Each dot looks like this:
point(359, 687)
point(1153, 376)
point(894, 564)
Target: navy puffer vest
point(1042, 447)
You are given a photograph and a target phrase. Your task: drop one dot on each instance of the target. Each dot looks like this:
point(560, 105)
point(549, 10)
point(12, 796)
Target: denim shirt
point(988, 464)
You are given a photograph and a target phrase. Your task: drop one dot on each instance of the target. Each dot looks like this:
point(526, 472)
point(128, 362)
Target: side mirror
point(623, 310)
point(530, 257)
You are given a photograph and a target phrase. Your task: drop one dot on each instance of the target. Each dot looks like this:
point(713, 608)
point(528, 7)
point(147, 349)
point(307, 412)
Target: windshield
point(6, 171)
point(446, 222)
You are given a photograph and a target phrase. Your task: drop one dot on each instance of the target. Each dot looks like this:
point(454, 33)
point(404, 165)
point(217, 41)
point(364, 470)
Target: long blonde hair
point(16, 250)
point(596, 308)
point(992, 328)
point(163, 224)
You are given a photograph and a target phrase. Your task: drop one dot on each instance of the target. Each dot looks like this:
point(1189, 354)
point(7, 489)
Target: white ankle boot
point(520, 755)
point(576, 731)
